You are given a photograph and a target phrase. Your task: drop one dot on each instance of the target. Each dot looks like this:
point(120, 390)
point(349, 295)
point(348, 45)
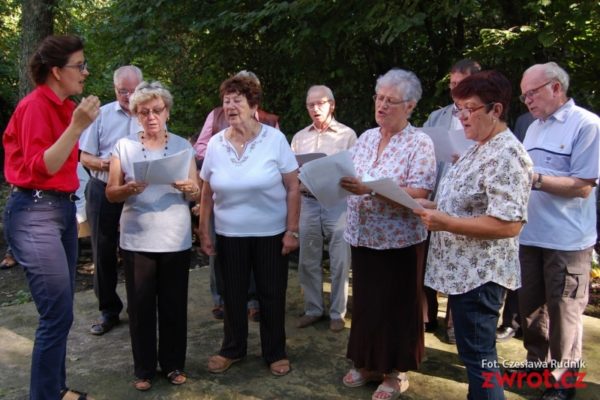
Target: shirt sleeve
point(287, 159)
point(205, 135)
point(422, 171)
point(35, 139)
point(585, 157)
point(508, 185)
point(89, 140)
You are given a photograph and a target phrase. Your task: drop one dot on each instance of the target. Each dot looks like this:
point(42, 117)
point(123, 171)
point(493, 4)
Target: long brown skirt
point(387, 312)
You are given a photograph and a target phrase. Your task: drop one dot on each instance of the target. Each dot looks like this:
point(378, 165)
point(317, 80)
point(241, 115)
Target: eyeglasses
point(156, 111)
point(125, 92)
point(466, 112)
point(530, 93)
point(388, 100)
point(81, 67)
point(317, 104)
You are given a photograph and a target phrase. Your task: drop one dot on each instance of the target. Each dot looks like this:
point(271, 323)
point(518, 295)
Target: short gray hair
point(323, 88)
point(405, 81)
point(147, 91)
point(127, 69)
point(553, 71)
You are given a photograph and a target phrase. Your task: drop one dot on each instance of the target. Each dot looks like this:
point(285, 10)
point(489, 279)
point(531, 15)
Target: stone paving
point(103, 365)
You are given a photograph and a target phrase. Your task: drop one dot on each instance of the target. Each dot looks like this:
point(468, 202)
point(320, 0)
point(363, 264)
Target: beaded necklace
point(144, 147)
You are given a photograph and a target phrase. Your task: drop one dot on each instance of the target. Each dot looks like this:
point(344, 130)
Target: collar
point(118, 108)
point(50, 95)
point(333, 126)
point(563, 111)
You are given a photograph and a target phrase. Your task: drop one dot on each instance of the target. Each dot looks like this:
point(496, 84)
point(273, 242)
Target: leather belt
point(41, 193)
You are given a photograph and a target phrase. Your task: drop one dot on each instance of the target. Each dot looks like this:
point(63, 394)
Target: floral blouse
point(491, 179)
point(408, 159)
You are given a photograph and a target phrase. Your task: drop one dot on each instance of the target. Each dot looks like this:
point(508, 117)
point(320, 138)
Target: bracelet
point(296, 235)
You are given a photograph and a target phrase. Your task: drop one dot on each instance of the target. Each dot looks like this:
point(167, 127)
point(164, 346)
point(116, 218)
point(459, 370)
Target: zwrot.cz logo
point(539, 376)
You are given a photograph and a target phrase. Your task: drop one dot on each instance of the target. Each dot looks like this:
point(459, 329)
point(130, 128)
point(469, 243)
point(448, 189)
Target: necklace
point(144, 147)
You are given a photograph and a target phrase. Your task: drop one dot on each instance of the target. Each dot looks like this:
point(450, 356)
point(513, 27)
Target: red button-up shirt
point(37, 123)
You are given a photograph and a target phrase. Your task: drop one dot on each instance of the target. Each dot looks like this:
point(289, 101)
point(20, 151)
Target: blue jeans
point(475, 316)
point(42, 233)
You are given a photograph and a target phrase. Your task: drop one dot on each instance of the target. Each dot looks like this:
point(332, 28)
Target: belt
point(41, 193)
point(307, 194)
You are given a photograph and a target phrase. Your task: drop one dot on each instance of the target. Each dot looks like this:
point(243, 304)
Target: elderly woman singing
point(386, 337)
point(155, 239)
point(251, 185)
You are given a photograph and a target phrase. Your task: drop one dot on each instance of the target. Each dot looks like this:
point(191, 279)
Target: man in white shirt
point(556, 243)
point(96, 144)
point(318, 223)
point(444, 118)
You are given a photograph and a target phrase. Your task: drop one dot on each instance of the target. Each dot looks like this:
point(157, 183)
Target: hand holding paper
point(386, 187)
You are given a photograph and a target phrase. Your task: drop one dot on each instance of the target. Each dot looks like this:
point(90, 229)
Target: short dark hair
point(466, 66)
point(53, 51)
point(490, 86)
point(243, 85)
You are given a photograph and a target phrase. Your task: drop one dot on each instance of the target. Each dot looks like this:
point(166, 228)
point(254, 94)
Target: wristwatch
point(292, 233)
point(537, 185)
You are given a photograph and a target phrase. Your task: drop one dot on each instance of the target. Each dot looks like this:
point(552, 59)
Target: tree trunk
point(37, 22)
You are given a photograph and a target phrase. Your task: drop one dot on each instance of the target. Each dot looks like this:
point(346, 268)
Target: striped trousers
point(238, 257)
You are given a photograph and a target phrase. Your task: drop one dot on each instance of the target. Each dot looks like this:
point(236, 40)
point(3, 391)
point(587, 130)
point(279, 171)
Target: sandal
point(385, 392)
point(8, 262)
point(355, 378)
point(281, 367)
point(218, 364)
point(142, 384)
point(68, 394)
point(177, 377)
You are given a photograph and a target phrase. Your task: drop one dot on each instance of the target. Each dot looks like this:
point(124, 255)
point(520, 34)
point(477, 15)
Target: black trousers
point(510, 314)
point(157, 281)
point(239, 256)
point(103, 218)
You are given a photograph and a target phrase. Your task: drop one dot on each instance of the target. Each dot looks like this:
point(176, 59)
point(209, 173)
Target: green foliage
point(21, 297)
point(192, 46)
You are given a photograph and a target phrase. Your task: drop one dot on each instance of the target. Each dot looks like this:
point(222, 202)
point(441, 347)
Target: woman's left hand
point(354, 185)
point(434, 220)
point(290, 243)
point(187, 186)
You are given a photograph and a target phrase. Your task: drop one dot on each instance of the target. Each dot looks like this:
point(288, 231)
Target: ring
point(135, 190)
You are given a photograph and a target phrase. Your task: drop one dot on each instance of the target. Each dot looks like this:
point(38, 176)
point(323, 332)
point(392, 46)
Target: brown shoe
point(337, 325)
point(307, 320)
point(218, 364)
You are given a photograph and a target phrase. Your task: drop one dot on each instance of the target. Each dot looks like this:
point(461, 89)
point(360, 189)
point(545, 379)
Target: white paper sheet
point(387, 188)
point(448, 143)
point(322, 177)
point(306, 157)
point(163, 171)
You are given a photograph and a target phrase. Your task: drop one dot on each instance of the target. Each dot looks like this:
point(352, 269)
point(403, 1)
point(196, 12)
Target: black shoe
point(104, 325)
point(431, 326)
point(505, 333)
point(558, 394)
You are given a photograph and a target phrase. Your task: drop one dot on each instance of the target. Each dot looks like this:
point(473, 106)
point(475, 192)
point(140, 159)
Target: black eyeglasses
point(466, 112)
point(530, 93)
point(81, 67)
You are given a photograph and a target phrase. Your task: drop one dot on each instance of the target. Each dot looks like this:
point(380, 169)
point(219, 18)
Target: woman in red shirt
point(40, 144)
